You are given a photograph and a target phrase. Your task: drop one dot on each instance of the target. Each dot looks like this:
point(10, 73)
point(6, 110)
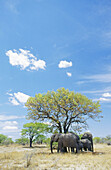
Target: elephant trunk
point(51, 146)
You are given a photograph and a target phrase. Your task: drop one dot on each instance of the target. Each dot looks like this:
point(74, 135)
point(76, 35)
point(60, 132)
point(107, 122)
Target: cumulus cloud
point(69, 74)
point(40, 64)
point(25, 60)
point(18, 98)
point(14, 101)
point(65, 64)
point(106, 95)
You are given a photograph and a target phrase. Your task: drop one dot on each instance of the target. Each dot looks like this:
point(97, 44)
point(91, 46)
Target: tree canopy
point(34, 130)
point(62, 108)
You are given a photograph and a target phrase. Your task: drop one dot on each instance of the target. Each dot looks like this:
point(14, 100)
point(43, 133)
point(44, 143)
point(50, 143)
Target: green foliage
point(7, 141)
point(22, 141)
point(47, 141)
point(63, 108)
point(35, 131)
point(102, 140)
point(97, 139)
point(4, 140)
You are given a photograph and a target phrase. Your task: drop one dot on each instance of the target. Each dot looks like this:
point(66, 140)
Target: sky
point(49, 44)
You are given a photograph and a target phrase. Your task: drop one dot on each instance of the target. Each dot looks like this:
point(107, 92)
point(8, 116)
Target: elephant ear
point(57, 137)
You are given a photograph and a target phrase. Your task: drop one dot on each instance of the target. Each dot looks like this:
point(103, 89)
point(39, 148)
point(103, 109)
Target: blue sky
point(48, 44)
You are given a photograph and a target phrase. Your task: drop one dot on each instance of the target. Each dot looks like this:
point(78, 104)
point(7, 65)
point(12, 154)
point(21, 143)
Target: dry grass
point(20, 158)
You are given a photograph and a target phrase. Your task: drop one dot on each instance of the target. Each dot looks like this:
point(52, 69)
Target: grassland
point(39, 157)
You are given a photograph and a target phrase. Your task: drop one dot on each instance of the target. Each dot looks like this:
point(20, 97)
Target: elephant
point(88, 136)
point(78, 138)
point(68, 140)
point(54, 138)
point(85, 143)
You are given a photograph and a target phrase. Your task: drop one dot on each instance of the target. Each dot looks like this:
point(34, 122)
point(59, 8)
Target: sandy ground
point(39, 157)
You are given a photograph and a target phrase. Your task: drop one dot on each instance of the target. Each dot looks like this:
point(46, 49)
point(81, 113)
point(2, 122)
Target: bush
point(7, 141)
point(22, 141)
point(4, 140)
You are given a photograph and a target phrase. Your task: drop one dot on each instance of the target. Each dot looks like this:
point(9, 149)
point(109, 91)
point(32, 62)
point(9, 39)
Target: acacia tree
point(62, 108)
point(34, 130)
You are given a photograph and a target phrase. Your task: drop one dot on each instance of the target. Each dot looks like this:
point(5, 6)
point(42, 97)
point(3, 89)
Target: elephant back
point(78, 138)
point(68, 140)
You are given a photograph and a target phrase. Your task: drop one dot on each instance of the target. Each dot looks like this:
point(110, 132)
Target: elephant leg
point(89, 148)
point(72, 149)
point(58, 149)
point(77, 148)
point(85, 148)
point(92, 145)
point(59, 146)
point(65, 149)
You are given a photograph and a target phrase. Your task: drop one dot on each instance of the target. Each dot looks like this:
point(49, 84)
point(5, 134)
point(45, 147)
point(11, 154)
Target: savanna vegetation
point(39, 157)
point(55, 112)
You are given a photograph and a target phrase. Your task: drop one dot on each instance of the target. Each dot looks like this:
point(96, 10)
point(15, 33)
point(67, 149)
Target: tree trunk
point(30, 142)
point(60, 128)
point(51, 146)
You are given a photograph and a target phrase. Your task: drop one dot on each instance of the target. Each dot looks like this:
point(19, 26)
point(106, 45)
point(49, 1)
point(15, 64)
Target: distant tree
point(97, 140)
point(108, 137)
point(47, 141)
point(34, 130)
point(63, 108)
point(22, 141)
point(40, 139)
point(4, 140)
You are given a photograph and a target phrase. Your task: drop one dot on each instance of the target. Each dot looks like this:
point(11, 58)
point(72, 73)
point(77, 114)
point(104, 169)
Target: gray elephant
point(88, 136)
point(85, 143)
point(69, 140)
point(54, 138)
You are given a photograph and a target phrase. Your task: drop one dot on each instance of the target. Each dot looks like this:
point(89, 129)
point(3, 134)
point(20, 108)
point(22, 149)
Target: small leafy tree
point(2, 138)
point(22, 141)
point(63, 109)
point(97, 139)
point(34, 130)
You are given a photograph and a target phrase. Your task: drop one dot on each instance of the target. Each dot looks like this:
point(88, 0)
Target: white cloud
point(10, 123)
point(10, 128)
point(69, 74)
point(64, 64)
point(21, 97)
point(13, 101)
point(6, 117)
point(103, 99)
point(18, 98)
point(106, 95)
point(106, 78)
point(40, 64)
point(25, 60)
